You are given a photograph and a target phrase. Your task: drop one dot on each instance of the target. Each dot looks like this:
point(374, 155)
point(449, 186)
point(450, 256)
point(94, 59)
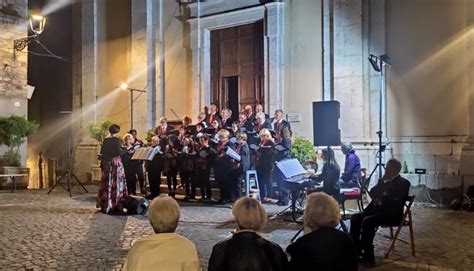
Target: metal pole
point(382, 87)
point(131, 109)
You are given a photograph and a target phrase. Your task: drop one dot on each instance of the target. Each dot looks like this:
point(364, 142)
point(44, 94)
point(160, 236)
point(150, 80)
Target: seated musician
point(163, 129)
point(265, 164)
point(322, 247)
point(386, 208)
point(351, 176)
point(329, 175)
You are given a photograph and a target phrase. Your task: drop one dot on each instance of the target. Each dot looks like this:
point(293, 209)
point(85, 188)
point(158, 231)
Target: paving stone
point(41, 232)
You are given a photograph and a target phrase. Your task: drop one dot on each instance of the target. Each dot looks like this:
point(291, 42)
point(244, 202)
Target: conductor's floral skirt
point(113, 187)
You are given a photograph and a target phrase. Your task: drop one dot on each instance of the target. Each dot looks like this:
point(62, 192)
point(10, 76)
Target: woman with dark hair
point(330, 175)
point(113, 186)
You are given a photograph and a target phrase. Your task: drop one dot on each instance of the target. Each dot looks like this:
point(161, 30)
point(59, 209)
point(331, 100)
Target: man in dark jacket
point(386, 208)
point(247, 249)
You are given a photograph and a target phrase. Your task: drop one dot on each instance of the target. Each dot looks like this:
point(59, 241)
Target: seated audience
point(247, 249)
point(164, 250)
point(386, 208)
point(322, 247)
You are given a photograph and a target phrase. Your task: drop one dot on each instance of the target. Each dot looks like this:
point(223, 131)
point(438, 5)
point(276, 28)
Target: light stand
point(69, 173)
point(378, 64)
point(124, 86)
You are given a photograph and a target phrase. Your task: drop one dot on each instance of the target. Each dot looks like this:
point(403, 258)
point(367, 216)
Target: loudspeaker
point(326, 123)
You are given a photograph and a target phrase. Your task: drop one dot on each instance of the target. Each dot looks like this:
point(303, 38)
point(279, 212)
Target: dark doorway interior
point(237, 53)
point(231, 95)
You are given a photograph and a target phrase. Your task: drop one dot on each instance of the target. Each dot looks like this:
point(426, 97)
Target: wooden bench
point(13, 176)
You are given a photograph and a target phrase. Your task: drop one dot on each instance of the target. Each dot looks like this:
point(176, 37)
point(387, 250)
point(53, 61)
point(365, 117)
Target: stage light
point(374, 61)
point(124, 86)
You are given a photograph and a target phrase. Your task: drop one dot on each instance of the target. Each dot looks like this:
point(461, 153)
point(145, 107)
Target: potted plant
point(13, 132)
point(303, 150)
point(98, 131)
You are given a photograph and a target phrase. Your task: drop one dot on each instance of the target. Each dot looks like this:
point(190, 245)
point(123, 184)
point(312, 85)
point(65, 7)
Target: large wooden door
point(237, 52)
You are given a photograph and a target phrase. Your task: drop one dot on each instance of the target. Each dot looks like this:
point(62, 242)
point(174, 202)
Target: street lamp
point(37, 23)
point(124, 86)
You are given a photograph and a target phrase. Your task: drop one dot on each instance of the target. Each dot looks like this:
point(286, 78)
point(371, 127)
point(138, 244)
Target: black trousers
point(131, 179)
point(188, 179)
point(265, 182)
point(236, 184)
point(137, 171)
point(171, 178)
point(224, 180)
point(202, 178)
point(154, 178)
point(364, 226)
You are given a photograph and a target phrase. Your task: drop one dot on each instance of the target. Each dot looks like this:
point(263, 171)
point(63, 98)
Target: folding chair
point(251, 184)
point(406, 221)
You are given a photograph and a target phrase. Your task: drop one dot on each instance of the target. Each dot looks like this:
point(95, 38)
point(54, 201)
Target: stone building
point(13, 64)
point(286, 54)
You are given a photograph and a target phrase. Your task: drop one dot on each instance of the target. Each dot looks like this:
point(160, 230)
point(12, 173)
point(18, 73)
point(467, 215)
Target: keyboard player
point(329, 176)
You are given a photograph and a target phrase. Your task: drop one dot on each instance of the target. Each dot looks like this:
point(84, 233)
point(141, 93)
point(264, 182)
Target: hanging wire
point(49, 51)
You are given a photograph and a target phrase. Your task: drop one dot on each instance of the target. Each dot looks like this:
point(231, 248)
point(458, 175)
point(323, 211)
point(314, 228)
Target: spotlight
point(374, 61)
point(124, 86)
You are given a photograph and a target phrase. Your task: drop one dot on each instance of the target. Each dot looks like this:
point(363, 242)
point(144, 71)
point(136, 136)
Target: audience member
point(322, 247)
point(386, 208)
point(247, 249)
point(164, 250)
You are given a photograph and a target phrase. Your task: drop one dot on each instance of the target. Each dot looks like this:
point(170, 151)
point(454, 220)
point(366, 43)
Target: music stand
point(69, 173)
point(288, 169)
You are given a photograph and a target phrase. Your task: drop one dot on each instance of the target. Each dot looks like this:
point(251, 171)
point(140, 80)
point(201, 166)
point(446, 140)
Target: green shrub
point(99, 130)
point(302, 149)
point(13, 133)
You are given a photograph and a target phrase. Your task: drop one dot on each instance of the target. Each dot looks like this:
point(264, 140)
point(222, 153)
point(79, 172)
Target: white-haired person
point(247, 249)
point(322, 247)
point(265, 163)
point(351, 175)
point(164, 250)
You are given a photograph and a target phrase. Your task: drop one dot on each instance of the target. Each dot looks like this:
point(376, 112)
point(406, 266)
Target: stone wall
point(13, 67)
point(426, 108)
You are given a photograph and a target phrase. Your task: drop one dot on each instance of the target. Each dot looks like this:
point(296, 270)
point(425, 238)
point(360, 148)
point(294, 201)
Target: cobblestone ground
point(39, 232)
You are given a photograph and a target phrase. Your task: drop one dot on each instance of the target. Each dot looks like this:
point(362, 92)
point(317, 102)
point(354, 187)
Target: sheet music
point(234, 155)
point(146, 153)
point(291, 168)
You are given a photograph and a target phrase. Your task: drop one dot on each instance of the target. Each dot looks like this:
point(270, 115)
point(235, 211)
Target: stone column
point(467, 156)
point(273, 55)
point(328, 49)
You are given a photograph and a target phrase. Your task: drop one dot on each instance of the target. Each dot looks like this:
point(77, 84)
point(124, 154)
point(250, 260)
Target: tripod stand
point(378, 64)
point(69, 173)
